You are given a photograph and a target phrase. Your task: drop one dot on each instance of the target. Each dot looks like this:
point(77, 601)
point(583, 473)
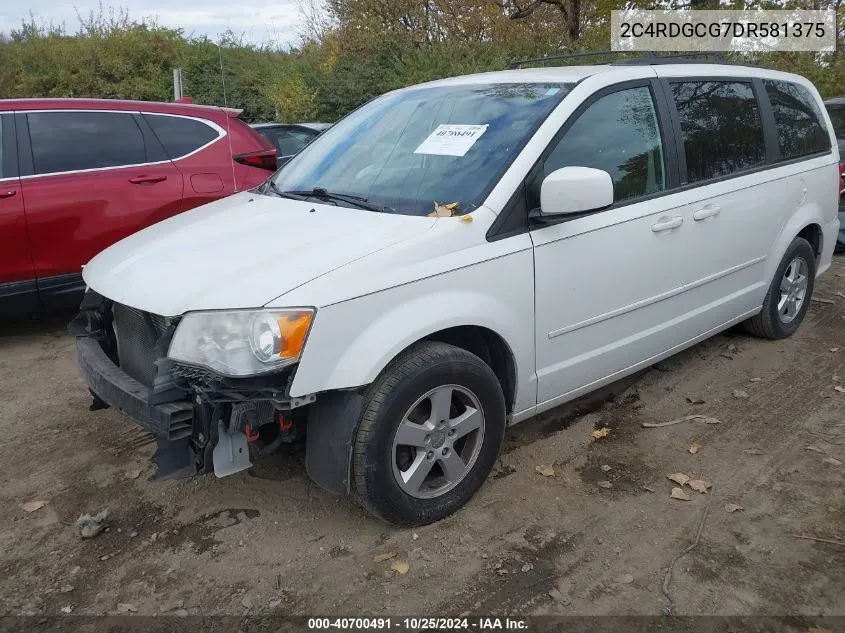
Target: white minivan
point(459, 256)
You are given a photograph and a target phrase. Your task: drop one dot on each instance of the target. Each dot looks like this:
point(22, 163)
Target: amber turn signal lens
point(294, 328)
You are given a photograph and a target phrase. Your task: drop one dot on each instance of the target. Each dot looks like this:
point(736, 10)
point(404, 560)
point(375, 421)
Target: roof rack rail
point(643, 58)
point(682, 58)
point(558, 58)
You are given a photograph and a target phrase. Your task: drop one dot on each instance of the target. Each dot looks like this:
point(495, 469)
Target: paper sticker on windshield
point(451, 140)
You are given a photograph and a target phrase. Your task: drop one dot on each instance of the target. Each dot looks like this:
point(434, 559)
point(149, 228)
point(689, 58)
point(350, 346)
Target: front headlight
point(242, 342)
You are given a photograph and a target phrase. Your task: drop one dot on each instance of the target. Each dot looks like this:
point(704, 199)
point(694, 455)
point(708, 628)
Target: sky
point(259, 21)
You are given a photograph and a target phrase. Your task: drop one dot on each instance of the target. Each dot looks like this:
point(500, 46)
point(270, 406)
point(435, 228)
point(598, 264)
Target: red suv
point(77, 175)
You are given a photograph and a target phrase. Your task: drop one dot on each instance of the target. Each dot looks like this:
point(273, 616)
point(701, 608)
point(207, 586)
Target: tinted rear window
point(837, 117)
point(721, 127)
point(180, 135)
point(70, 141)
point(288, 141)
point(798, 118)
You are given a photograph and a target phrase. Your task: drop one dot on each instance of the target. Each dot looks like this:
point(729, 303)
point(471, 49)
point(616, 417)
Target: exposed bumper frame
point(171, 420)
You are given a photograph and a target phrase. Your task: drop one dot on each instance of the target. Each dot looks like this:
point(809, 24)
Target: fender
point(353, 341)
point(806, 215)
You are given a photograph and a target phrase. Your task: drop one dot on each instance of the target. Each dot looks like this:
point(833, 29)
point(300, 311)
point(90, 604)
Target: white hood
point(240, 252)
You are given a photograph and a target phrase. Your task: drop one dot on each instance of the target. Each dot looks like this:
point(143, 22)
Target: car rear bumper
point(171, 420)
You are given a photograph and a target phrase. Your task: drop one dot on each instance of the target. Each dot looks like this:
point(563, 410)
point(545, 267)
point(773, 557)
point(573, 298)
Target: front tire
point(429, 434)
point(789, 294)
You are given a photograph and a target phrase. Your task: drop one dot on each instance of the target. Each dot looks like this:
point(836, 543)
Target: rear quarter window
point(180, 135)
point(798, 119)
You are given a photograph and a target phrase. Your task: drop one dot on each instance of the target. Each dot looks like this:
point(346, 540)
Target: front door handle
point(667, 224)
point(146, 180)
point(7, 194)
point(708, 211)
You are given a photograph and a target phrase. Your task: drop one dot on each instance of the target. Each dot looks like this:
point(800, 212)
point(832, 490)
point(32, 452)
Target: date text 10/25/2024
point(480, 624)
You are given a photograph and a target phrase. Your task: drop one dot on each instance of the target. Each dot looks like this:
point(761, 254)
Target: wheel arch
point(489, 347)
point(807, 223)
point(813, 234)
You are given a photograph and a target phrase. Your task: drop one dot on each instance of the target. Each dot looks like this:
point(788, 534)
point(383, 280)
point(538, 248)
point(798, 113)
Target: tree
point(570, 11)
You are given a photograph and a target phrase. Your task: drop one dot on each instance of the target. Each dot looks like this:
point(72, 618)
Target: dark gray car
point(836, 109)
point(290, 138)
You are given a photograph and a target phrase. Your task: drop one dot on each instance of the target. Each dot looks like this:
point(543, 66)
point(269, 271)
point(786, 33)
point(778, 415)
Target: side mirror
point(575, 190)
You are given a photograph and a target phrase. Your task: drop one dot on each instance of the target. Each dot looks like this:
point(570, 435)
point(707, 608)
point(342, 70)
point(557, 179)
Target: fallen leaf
point(820, 300)
point(815, 449)
point(604, 484)
point(556, 595)
point(32, 506)
point(834, 349)
point(125, 607)
point(832, 461)
point(133, 473)
point(546, 471)
point(840, 388)
point(246, 602)
point(380, 558)
point(695, 400)
point(527, 567)
point(740, 393)
point(400, 567)
point(818, 629)
point(732, 507)
point(466, 219)
point(444, 210)
point(678, 493)
point(753, 451)
point(711, 420)
point(605, 468)
point(600, 433)
point(755, 379)
point(678, 478)
point(699, 485)
point(694, 448)
point(67, 609)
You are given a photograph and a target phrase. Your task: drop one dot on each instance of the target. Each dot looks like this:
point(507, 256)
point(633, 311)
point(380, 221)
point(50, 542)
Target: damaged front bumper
point(181, 451)
point(200, 420)
point(170, 420)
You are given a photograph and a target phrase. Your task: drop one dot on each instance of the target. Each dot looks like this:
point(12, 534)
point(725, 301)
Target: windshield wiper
point(272, 186)
point(323, 194)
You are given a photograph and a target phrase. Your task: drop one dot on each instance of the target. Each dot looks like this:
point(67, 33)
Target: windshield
point(837, 116)
point(409, 150)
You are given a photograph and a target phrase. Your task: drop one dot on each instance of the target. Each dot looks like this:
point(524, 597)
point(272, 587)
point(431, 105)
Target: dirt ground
point(270, 541)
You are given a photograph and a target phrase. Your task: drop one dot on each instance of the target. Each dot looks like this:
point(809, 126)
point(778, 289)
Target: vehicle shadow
point(32, 324)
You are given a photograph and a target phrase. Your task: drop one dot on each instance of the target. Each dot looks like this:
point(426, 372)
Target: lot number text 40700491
point(419, 624)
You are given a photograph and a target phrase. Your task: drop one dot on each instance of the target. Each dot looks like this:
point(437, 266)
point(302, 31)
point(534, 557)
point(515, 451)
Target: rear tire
point(429, 434)
point(789, 294)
